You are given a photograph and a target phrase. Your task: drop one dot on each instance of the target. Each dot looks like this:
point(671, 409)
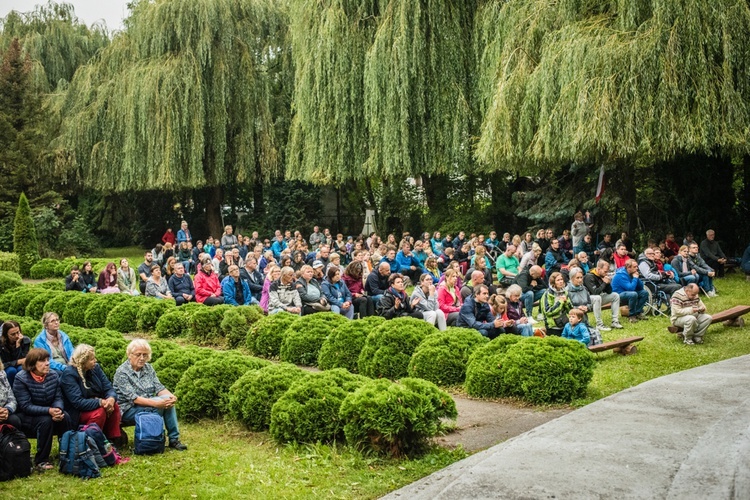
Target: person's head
point(11, 332)
point(287, 275)
point(631, 266)
point(649, 253)
point(549, 234)
point(516, 240)
point(148, 257)
point(498, 304)
point(234, 271)
point(139, 353)
point(481, 293)
point(335, 259)
point(325, 251)
point(554, 244)
point(575, 316)
point(156, 271)
point(437, 235)
point(273, 271)
point(622, 250)
point(405, 247)
point(479, 263)
point(477, 277)
point(87, 266)
point(318, 268)
point(510, 250)
point(608, 237)
point(179, 269)
point(124, 264)
point(566, 234)
point(451, 277)
point(430, 263)
point(710, 235)
point(354, 270)
point(51, 322)
point(513, 293)
point(602, 267)
point(536, 249)
point(306, 272)
point(184, 225)
point(624, 236)
point(670, 237)
point(425, 280)
point(582, 257)
point(576, 276)
point(37, 361)
point(171, 263)
point(251, 263)
point(236, 254)
point(493, 235)
point(578, 216)
point(556, 281)
point(587, 237)
point(693, 249)
point(396, 280)
point(683, 251)
point(692, 291)
point(384, 269)
point(227, 229)
point(334, 274)
point(285, 260)
point(535, 272)
point(527, 237)
point(657, 253)
point(83, 360)
point(74, 271)
point(219, 253)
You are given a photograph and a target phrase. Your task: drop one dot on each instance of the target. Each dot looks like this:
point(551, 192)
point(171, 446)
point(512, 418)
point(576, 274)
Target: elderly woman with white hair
point(138, 389)
point(88, 395)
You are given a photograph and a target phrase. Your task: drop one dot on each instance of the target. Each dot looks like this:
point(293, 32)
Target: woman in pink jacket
point(207, 286)
point(449, 297)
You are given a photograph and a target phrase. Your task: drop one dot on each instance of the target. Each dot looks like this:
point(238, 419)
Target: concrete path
point(682, 436)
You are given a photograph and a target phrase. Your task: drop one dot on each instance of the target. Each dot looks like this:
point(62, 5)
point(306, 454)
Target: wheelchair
point(658, 300)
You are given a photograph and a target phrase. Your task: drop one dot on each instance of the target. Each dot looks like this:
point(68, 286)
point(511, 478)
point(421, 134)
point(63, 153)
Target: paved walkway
point(682, 436)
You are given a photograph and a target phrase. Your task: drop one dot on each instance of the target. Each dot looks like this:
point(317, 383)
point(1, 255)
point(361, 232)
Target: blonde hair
point(81, 355)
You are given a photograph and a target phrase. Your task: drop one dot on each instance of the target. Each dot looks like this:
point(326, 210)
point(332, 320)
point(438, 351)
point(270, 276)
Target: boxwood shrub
point(150, 313)
point(303, 338)
point(389, 347)
point(75, 311)
point(59, 303)
point(35, 308)
point(264, 337)
point(205, 325)
point(203, 390)
point(45, 268)
point(123, 317)
point(160, 347)
point(20, 299)
point(484, 372)
point(173, 364)
point(172, 324)
point(97, 311)
point(9, 262)
point(57, 285)
point(80, 335)
point(30, 327)
point(342, 347)
point(237, 322)
point(309, 411)
point(9, 280)
point(110, 353)
point(254, 394)
point(442, 357)
point(394, 419)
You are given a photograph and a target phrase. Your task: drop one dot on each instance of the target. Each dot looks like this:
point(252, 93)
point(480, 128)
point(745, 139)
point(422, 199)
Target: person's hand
point(293, 310)
point(108, 404)
point(357, 295)
point(498, 322)
point(606, 279)
point(509, 323)
point(636, 275)
point(693, 272)
point(416, 301)
point(523, 320)
point(160, 404)
point(346, 305)
point(533, 283)
point(432, 289)
point(186, 296)
point(562, 299)
point(583, 308)
point(711, 274)
point(57, 414)
point(4, 414)
point(397, 303)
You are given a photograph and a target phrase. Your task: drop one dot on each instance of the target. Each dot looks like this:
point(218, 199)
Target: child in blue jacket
point(576, 329)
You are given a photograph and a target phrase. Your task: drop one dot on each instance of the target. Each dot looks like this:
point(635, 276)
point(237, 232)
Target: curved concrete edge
point(682, 436)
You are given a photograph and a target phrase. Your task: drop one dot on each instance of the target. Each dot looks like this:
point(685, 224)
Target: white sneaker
point(711, 293)
point(532, 321)
point(603, 328)
point(616, 324)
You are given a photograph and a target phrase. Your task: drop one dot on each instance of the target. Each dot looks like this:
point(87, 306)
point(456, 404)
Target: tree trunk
point(625, 172)
point(436, 192)
point(214, 199)
point(500, 211)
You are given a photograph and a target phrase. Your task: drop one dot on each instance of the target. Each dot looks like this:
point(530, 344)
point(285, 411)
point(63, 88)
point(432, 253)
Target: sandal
point(44, 466)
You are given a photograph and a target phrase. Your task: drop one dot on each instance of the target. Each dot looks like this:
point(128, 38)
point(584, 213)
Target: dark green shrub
point(30, 327)
point(56, 285)
point(172, 324)
point(9, 280)
point(59, 302)
point(21, 298)
point(97, 311)
point(264, 337)
point(303, 338)
point(309, 411)
point(151, 311)
point(35, 307)
point(43, 269)
point(391, 418)
point(484, 377)
point(549, 370)
point(205, 325)
point(111, 354)
point(160, 347)
point(9, 262)
point(203, 391)
point(80, 335)
point(75, 311)
point(442, 357)
point(254, 394)
point(124, 317)
point(173, 364)
point(25, 243)
point(442, 403)
point(342, 347)
point(389, 347)
point(192, 307)
point(237, 322)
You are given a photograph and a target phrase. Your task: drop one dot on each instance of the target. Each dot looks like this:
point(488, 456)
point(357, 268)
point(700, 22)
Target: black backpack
point(15, 453)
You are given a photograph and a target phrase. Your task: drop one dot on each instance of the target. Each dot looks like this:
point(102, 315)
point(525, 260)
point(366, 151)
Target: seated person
point(74, 282)
point(515, 307)
point(449, 296)
point(88, 395)
point(254, 278)
point(530, 258)
point(689, 313)
point(508, 266)
point(87, 275)
point(576, 328)
point(704, 271)
point(126, 281)
point(55, 342)
point(40, 405)
point(683, 267)
point(621, 255)
point(181, 285)
point(395, 303)
point(353, 278)
point(477, 314)
point(606, 243)
point(337, 293)
point(649, 270)
point(157, 286)
point(8, 403)
point(107, 282)
point(712, 253)
point(139, 390)
point(566, 244)
point(555, 257)
point(235, 291)
point(533, 287)
point(579, 296)
point(672, 246)
point(14, 346)
point(598, 283)
point(310, 290)
point(377, 282)
point(283, 295)
point(207, 286)
point(390, 259)
point(431, 268)
point(586, 245)
point(555, 304)
point(426, 292)
point(629, 287)
point(481, 266)
point(408, 263)
point(499, 308)
point(474, 279)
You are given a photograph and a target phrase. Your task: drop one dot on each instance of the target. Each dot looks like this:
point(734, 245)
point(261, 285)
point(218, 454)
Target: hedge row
point(55, 268)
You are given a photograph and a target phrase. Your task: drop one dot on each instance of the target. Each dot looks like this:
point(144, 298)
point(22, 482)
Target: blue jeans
point(706, 282)
point(11, 371)
point(169, 415)
point(349, 313)
point(529, 298)
point(636, 301)
point(689, 278)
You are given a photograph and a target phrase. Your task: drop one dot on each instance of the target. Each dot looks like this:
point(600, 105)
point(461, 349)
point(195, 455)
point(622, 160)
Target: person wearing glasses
point(55, 341)
point(138, 389)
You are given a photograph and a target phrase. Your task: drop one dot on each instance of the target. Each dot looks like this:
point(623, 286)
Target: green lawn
point(133, 254)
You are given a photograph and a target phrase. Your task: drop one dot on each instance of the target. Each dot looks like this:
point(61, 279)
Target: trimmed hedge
point(205, 325)
point(484, 377)
point(442, 357)
point(59, 303)
point(20, 299)
point(110, 353)
point(388, 348)
point(150, 313)
point(394, 419)
point(254, 394)
point(237, 322)
point(303, 338)
point(75, 311)
point(342, 347)
point(123, 317)
point(97, 312)
point(80, 335)
point(203, 391)
point(30, 327)
point(9, 280)
point(309, 411)
point(160, 347)
point(35, 307)
point(45, 268)
point(264, 337)
point(172, 324)
point(172, 365)
point(56, 285)
point(9, 262)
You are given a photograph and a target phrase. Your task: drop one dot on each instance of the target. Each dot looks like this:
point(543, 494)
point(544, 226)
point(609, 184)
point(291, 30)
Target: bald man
point(377, 282)
point(689, 313)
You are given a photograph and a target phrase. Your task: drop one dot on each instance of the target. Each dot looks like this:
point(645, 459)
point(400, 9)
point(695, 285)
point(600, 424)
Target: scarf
point(38, 378)
point(400, 295)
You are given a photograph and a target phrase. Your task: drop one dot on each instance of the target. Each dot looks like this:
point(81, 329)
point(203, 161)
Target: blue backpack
point(78, 455)
point(149, 433)
point(106, 450)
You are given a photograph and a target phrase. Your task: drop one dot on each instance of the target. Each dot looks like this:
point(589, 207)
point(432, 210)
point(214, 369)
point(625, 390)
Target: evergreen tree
point(25, 243)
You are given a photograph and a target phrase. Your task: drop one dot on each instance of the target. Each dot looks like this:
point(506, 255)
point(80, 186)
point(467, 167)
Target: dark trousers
point(364, 306)
point(716, 266)
point(43, 427)
point(451, 319)
point(213, 301)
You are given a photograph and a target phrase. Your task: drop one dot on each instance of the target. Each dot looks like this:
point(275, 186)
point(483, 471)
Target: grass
point(133, 254)
point(224, 460)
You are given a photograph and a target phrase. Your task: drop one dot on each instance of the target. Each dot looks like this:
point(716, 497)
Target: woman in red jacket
point(207, 286)
point(449, 297)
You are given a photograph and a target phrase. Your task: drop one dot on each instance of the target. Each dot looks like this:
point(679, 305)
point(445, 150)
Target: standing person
point(689, 313)
point(74, 282)
point(712, 253)
point(228, 240)
point(337, 293)
point(144, 270)
point(181, 285)
point(14, 346)
point(395, 303)
point(235, 291)
point(158, 253)
point(40, 405)
point(207, 286)
point(598, 283)
point(107, 282)
point(578, 229)
point(169, 237)
point(55, 341)
point(183, 235)
point(428, 304)
point(628, 286)
point(126, 281)
point(477, 314)
point(316, 238)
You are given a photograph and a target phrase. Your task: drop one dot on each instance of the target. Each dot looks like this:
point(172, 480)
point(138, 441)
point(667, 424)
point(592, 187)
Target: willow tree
point(181, 99)
point(622, 82)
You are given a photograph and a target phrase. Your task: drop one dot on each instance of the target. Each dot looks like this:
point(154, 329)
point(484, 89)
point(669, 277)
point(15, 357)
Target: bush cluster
point(97, 312)
point(35, 307)
point(174, 363)
point(59, 303)
point(150, 313)
point(205, 325)
point(44, 269)
point(264, 337)
point(123, 317)
point(110, 353)
point(172, 324)
point(388, 348)
point(342, 347)
point(20, 298)
point(484, 371)
point(442, 357)
point(9, 262)
point(236, 324)
point(303, 338)
point(75, 311)
point(9, 280)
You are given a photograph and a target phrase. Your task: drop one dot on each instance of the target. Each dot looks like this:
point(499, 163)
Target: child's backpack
point(106, 450)
point(149, 433)
point(15, 453)
point(78, 455)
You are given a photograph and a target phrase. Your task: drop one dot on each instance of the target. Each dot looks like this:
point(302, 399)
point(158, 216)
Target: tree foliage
point(25, 243)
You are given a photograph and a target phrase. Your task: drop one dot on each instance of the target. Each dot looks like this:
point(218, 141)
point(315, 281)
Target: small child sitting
point(576, 329)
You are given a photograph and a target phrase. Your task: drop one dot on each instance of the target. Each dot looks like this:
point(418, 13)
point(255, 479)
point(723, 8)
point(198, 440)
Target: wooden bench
point(730, 317)
point(623, 346)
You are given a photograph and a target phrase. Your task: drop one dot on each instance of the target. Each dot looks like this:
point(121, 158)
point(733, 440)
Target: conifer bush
point(160, 347)
point(59, 303)
point(442, 357)
point(97, 312)
point(264, 337)
point(174, 363)
point(6, 299)
point(394, 419)
point(75, 310)
point(236, 324)
point(484, 376)
point(309, 411)
point(30, 327)
point(342, 347)
point(56, 285)
point(21, 298)
point(123, 317)
point(205, 325)
point(174, 323)
point(150, 313)
point(25, 242)
point(35, 307)
point(110, 353)
point(203, 391)
point(303, 338)
point(254, 394)
point(389, 347)
point(44, 268)
point(9, 280)
point(9, 262)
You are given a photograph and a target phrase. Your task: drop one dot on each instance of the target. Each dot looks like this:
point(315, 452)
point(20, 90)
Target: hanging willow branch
point(181, 99)
point(591, 81)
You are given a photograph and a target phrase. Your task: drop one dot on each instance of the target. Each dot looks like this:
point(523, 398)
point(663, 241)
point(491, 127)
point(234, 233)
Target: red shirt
point(169, 237)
